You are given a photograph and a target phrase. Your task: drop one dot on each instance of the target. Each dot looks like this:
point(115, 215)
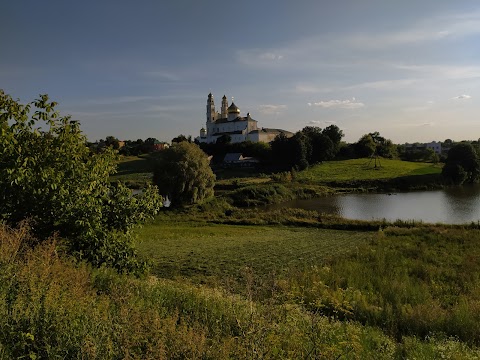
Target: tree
point(52, 179)
point(335, 134)
point(113, 142)
point(321, 146)
point(183, 173)
point(291, 152)
point(462, 164)
point(181, 138)
point(365, 147)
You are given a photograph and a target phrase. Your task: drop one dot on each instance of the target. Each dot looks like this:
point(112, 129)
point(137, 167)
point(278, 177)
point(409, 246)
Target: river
point(454, 205)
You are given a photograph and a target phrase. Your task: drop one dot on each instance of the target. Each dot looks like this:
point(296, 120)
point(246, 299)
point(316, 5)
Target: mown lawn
point(220, 253)
point(364, 169)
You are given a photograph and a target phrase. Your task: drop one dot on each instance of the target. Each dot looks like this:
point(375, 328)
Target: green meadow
point(220, 254)
point(364, 169)
point(135, 171)
point(234, 283)
point(219, 291)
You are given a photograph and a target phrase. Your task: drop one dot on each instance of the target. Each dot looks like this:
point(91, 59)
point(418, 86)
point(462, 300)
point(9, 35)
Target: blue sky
point(409, 69)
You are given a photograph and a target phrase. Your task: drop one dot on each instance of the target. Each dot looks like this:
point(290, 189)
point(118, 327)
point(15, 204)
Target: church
point(229, 122)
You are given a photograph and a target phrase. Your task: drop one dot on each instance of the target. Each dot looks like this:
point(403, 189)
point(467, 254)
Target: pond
point(454, 205)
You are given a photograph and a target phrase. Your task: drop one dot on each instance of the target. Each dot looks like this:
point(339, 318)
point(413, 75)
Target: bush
point(51, 178)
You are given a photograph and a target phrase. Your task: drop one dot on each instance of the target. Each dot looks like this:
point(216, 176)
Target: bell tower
point(210, 109)
point(224, 107)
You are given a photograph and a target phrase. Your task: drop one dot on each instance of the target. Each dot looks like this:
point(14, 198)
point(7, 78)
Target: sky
point(409, 69)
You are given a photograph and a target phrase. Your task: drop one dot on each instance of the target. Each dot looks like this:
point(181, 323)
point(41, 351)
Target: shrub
point(50, 177)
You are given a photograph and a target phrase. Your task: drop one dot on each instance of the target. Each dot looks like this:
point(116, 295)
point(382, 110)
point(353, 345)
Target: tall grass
point(409, 282)
point(52, 307)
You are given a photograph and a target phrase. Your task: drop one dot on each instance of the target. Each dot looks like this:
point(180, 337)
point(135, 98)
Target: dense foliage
point(375, 144)
point(309, 146)
point(462, 164)
point(49, 177)
point(183, 173)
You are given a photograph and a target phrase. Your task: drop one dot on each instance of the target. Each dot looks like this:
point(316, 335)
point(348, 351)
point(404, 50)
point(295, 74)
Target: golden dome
point(233, 109)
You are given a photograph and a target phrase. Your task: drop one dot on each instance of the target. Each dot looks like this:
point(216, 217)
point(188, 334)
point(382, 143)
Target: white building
point(435, 146)
point(229, 122)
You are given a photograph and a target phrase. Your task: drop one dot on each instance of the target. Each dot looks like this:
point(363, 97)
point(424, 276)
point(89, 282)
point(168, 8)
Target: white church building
point(229, 122)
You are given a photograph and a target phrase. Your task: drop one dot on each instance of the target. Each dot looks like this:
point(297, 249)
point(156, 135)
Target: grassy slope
point(135, 171)
point(363, 169)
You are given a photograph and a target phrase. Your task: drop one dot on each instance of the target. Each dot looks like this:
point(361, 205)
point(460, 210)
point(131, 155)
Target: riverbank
point(328, 178)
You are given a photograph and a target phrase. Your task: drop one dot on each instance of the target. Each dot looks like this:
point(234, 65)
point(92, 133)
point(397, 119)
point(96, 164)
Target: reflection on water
point(454, 205)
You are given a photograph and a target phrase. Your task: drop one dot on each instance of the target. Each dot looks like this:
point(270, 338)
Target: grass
point(420, 281)
point(306, 293)
point(135, 171)
point(363, 169)
point(220, 254)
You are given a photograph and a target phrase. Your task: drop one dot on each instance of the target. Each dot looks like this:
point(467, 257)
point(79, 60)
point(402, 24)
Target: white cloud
point(319, 122)
point(339, 104)
point(272, 109)
point(270, 56)
point(383, 84)
point(443, 71)
point(416, 125)
point(462, 97)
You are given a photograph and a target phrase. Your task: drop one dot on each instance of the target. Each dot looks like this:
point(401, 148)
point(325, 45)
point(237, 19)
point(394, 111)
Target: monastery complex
point(229, 122)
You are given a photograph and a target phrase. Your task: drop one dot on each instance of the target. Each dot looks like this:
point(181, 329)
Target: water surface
point(451, 206)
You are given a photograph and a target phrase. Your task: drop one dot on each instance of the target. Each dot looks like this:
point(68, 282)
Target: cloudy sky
point(137, 69)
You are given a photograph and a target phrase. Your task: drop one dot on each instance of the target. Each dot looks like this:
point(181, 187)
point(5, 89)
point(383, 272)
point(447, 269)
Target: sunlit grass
point(135, 171)
point(364, 169)
point(201, 250)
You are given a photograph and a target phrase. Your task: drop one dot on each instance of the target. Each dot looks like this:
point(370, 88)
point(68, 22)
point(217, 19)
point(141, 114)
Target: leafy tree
point(387, 149)
point(373, 143)
point(462, 164)
point(291, 152)
point(113, 142)
point(183, 173)
point(366, 146)
point(51, 178)
point(301, 150)
point(321, 147)
point(182, 138)
point(334, 134)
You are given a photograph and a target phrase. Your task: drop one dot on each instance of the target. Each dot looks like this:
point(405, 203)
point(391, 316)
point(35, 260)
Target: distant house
point(238, 160)
point(435, 146)
point(158, 146)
